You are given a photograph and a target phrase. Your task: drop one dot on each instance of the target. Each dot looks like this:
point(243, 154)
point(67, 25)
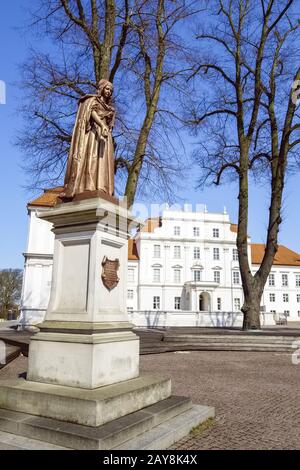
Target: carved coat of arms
point(110, 272)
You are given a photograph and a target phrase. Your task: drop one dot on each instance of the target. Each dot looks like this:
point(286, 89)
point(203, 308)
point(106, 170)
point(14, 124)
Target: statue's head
point(105, 89)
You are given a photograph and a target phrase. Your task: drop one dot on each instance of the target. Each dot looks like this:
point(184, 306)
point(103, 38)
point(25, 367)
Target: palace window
point(177, 303)
point(219, 303)
point(216, 232)
point(236, 277)
point(196, 231)
point(297, 278)
point(298, 298)
point(177, 252)
point(235, 254)
point(272, 297)
point(216, 253)
point(156, 251)
point(272, 280)
point(130, 276)
point(285, 282)
point(286, 313)
point(156, 302)
point(217, 276)
point(197, 275)
point(177, 275)
point(129, 294)
point(237, 304)
point(176, 230)
point(156, 275)
point(285, 297)
point(196, 252)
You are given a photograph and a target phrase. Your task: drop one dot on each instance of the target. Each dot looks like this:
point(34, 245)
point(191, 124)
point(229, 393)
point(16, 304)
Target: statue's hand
point(105, 131)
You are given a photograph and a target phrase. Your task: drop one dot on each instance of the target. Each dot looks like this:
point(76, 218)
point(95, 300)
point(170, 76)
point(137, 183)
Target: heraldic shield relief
point(110, 272)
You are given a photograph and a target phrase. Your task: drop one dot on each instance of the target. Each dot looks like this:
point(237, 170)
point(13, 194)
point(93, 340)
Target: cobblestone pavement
point(256, 395)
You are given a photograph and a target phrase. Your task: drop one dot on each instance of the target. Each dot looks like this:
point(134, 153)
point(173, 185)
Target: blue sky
point(13, 197)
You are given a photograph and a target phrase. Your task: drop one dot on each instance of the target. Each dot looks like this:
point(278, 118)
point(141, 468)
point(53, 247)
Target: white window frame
point(236, 278)
point(177, 251)
point(235, 254)
point(272, 297)
point(176, 230)
point(196, 231)
point(237, 304)
point(130, 275)
point(216, 233)
point(271, 280)
point(198, 271)
point(285, 298)
point(156, 251)
point(156, 275)
point(177, 302)
point(284, 280)
point(177, 275)
point(130, 293)
point(197, 252)
point(217, 276)
point(216, 254)
point(156, 302)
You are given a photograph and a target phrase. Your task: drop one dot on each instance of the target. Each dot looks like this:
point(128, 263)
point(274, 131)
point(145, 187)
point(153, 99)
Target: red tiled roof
point(284, 255)
point(132, 250)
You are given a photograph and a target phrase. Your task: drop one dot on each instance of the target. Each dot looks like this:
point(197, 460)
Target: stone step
point(80, 406)
point(231, 339)
point(167, 434)
point(219, 341)
point(231, 347)
point(107, 436)
point(12, 442)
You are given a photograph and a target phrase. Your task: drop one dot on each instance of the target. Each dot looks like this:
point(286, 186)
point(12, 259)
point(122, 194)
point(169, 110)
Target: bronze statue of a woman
point(90, 164)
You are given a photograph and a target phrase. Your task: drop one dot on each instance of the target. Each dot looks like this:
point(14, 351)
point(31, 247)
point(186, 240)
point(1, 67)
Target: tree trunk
point(251, 310)
point(135, 170)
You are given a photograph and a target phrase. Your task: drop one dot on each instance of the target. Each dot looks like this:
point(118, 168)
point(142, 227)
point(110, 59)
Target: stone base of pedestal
point(155, 427)
point(87, 407)
point(84, 361)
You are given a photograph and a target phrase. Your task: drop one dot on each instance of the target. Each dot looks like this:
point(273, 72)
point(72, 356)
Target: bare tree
point(248, 117)
point(10, 290)
point(138, 45)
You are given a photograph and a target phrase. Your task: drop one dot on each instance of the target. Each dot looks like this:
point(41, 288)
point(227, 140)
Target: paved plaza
point(256, 395)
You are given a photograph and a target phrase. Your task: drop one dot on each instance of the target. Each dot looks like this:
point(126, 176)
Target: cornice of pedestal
point(86, 328)
point(88, 214)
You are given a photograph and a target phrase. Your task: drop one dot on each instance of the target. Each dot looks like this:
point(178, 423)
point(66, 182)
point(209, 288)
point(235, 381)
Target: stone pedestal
point(86, 340)
point(83, 388)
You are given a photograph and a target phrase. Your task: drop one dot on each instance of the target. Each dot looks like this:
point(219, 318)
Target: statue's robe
point(90, 164)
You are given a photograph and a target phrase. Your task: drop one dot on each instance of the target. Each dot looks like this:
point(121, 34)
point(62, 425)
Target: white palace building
point(182, 270)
